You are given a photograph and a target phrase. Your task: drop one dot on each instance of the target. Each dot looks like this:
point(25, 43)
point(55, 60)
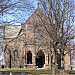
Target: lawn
point(19, 71)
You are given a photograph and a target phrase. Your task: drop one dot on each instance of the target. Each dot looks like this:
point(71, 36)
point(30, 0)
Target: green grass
point(33, 72)
point(70, 71)
point(24, 70)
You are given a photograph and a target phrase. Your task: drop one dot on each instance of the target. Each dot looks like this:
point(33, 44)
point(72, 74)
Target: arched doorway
point(40, 59)
point(29, 57)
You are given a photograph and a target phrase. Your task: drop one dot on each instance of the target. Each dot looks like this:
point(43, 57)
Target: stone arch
point(29, 57)
point(40, 59)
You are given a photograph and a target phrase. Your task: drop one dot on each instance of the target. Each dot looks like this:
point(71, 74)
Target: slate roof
point(11, 31)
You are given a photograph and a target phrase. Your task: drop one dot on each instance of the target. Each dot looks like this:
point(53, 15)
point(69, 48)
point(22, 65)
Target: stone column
point(46, 62)
point(49, 59)
point(34, 60)
point(25, 55)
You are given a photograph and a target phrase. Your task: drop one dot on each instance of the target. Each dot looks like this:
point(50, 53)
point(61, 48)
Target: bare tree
point(14, 9)
point(58, 25)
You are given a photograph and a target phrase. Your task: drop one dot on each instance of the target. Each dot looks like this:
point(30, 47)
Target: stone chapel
point(25, 47)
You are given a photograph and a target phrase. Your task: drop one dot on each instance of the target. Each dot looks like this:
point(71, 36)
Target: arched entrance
point(40, 59)
point(29, 57)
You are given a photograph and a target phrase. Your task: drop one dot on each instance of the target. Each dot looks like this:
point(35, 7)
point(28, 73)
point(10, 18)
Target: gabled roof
point(11, 31)
point(35, 14)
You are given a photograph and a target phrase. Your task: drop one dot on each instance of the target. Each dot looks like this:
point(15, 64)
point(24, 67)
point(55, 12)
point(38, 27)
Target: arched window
point(15, 54)
point(29, 57)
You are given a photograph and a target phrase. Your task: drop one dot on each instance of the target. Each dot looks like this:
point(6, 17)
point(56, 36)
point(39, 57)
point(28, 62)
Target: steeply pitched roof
point(11, 31)
point(37, 12)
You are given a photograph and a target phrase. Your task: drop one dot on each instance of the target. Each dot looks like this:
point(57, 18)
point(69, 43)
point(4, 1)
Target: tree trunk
point(62, 61)
point(53, 63)
point(49, 60)
point(53, 69)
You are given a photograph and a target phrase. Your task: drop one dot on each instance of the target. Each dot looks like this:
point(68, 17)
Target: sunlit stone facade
point(25, 48)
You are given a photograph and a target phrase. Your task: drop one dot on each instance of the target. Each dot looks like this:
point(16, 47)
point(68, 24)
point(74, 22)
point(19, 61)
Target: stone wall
point(30, 38)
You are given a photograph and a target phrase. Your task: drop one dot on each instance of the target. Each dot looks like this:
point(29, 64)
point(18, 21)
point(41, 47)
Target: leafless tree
point(58, 25)
point(15, 9)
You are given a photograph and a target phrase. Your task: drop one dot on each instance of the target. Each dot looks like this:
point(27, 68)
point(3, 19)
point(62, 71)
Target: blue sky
point(19, 16)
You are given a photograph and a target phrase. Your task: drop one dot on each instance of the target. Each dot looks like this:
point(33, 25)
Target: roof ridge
point(38, 8)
